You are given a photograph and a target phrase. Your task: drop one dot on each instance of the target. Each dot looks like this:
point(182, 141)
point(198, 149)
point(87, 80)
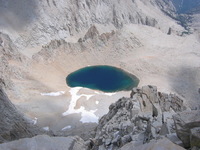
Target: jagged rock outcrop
point(44, 142)
point(146, 115)
point(13, 124)
point(91, 33)
point(186, 123)
point(92, 41)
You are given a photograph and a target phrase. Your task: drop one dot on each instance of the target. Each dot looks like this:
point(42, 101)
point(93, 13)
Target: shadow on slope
point(186, 82)
point(15, 14)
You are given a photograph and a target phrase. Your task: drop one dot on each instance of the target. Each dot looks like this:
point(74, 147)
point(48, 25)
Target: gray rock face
point(13, 124)
point(195, 137)
point(167, 7)
point(162, 144)
point(173, 137)
point(171, 101)
point(140, 118)
point(184, 122)
point(62, 19)
point(44, 142)
point(8, 51)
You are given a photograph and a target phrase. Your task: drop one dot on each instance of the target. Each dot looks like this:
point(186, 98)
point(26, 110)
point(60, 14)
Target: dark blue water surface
point(103, 78)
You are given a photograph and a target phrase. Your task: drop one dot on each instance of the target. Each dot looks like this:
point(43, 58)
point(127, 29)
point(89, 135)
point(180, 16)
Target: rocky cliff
point(11, 62)
point(49, 20)
point(146, 115)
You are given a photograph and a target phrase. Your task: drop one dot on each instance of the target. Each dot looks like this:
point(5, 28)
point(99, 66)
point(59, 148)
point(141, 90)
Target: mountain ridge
point(61, 21)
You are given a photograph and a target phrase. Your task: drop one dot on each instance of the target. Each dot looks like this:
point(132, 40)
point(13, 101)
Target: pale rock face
point(51, 19)
point(11, 62)
point(45, 142)
point(184, 123)
point(163, 144)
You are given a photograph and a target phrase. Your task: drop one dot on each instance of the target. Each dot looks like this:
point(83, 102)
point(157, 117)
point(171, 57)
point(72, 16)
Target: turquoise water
point(103, 78)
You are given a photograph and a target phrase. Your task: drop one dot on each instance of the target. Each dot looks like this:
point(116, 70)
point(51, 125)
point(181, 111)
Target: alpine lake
point(103, 78)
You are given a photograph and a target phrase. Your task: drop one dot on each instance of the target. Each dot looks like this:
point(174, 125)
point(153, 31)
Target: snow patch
point(35, 120)
point(67, 127)
point(97, 102)
point(109, 94)
point(86, 116)
point(53, 93)
point(46, 128)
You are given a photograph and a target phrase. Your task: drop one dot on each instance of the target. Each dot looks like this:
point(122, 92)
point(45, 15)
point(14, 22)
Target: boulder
point(162, 144)
point(184, 122)
point(44, 142)
point(151, 92)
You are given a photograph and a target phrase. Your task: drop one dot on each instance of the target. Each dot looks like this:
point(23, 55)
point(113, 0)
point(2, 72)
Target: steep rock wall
point(13, 124)
point(64, 19)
